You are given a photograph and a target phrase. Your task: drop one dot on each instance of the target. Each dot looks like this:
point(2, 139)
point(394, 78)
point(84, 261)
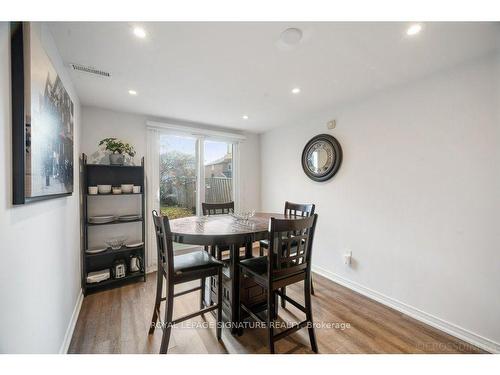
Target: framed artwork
point(42, 121)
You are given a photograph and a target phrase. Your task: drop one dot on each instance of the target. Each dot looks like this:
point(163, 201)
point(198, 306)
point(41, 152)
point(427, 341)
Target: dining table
point(230, 231)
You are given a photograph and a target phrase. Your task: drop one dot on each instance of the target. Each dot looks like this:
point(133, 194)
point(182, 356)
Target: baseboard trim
point(450, 328)
point(72, 323)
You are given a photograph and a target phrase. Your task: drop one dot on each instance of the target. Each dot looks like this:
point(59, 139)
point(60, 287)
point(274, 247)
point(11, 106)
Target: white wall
point(416, 199)
point(100, 123)
point(39, 242)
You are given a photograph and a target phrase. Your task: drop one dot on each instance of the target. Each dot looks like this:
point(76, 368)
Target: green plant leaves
point(117, 146)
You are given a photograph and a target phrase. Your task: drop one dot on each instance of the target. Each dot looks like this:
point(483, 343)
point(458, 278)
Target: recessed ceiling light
point(296, 90)
point(414, 29)
point(244, 117)
point(291, 36)
point(139, 32)
point(132, 92)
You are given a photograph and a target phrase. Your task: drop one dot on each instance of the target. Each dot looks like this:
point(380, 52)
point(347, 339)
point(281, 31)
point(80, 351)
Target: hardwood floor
point(117, 321)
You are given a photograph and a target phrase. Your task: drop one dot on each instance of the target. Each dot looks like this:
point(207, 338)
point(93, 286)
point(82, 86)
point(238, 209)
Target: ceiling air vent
point(90, 70)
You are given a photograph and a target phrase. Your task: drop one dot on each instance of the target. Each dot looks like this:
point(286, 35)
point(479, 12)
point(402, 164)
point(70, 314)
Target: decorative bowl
point(243, 216)
point(127, 188)
point(104, 189)
point(116, 242)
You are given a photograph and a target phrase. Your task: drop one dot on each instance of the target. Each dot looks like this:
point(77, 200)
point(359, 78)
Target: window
point(218, 160)
point(193, 170)
point(178, 175)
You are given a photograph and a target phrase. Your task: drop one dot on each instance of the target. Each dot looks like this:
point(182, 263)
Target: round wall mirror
point(321, 157)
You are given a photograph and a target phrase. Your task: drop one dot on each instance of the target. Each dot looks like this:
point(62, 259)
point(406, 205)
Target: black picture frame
point(337, 158)
point(21, 118)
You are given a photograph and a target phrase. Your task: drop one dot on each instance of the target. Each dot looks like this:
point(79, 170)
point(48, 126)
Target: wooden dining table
point(225, 230)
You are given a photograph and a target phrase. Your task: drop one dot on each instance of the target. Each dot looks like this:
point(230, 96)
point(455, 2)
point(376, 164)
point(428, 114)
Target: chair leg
point(307, 300)
point(168, 319)
point(159, 287)
point(270, 320)
point(202, 293)
point(312, 286)
point(283, 301)
point(212, 280)
point(275, 306)
point(219, 304)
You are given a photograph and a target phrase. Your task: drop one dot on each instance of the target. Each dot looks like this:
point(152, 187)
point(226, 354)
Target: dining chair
point(291, 210)
point(217, 209)
point(178, 269)
point(288, 261)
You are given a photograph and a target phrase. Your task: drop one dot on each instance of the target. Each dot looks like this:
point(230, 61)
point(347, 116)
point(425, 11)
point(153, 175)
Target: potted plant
point(118, 150)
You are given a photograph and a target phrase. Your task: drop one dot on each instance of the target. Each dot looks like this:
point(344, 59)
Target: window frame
point(201, 134)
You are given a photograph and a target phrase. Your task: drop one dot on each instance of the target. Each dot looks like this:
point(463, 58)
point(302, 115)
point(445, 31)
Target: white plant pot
point(116, 159)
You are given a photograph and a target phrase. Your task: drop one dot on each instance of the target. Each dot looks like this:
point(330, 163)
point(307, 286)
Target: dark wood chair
point(288, 262)
point(292, 210)
point(180, 269)
point(217, 209)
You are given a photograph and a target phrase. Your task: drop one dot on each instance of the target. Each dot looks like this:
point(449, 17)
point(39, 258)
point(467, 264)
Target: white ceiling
point(214, 73)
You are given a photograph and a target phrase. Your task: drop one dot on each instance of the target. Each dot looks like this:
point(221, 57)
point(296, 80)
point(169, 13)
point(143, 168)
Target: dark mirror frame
point(336, 163)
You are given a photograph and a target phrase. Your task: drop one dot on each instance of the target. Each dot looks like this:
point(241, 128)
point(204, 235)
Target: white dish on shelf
point(104, 189)
point(96, 250)
point(101, 219)
point(135, 244)
point(116, 243)
point(127, 188)
point(129, 217)
point(98, 276)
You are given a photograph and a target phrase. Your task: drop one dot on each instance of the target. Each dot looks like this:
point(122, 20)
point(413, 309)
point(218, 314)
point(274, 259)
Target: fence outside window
point(178, 194)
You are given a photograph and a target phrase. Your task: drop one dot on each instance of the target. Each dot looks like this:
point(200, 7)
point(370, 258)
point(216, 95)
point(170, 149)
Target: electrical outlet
point(348, 257)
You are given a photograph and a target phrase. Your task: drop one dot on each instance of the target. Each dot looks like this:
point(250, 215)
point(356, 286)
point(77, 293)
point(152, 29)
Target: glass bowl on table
point(243, 215)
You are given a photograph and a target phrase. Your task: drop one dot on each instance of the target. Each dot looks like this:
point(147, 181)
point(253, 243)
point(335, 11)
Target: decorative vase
point(116, 159)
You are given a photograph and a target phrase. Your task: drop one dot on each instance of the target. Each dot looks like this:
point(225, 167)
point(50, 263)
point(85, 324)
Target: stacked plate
point(134, 244)
point(129, 217)
point(102, 219)
point(98, 276)
point(96, 250)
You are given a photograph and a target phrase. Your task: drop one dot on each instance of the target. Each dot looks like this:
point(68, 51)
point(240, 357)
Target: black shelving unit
point(100, 174)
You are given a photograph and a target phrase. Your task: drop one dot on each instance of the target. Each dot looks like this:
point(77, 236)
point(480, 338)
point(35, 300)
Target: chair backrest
point(217, 208)
point(299, 209)
point(164, 245)
point(290, 245)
